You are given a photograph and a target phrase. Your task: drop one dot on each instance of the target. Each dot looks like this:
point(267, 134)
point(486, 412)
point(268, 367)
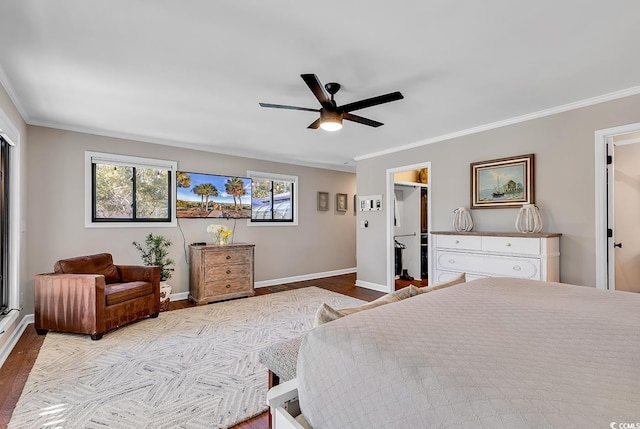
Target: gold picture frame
point(502, 183)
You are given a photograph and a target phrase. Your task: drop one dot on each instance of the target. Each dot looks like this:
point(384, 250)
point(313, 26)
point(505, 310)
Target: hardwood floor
point(14, 372)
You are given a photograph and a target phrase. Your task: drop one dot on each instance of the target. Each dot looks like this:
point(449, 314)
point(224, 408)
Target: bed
point(488, 353)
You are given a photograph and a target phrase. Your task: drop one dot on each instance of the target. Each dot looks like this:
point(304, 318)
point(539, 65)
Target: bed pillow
point(326, 313)
point(454, 281)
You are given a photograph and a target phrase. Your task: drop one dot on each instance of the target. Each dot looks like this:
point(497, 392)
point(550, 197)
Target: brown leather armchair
point(92, 295)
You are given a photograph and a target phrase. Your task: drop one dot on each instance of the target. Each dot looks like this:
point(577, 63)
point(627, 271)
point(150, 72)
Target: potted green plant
point(155, 252)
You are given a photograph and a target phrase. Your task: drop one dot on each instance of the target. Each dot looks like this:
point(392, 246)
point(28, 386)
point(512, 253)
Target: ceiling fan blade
point(281, 106)
point(318, 90)
point(380, 99)
point(315, 124)
point(361, 120)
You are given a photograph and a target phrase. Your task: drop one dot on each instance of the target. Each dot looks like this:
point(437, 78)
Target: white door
point(611, 249)
point(624, 213)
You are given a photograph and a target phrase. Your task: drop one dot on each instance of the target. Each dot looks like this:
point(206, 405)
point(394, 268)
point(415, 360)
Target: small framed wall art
point(341, 202)
point(502, 183)
point(323, 201)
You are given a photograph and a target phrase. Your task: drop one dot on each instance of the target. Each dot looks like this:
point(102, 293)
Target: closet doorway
point(408, 210)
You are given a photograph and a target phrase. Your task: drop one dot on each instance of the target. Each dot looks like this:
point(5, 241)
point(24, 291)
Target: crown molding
point(6, 83)
point(503, 123)
point(350, 168)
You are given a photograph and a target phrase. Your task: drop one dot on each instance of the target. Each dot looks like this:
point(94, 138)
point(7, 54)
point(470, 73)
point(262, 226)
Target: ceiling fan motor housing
point(332, 88)
point(327, 115)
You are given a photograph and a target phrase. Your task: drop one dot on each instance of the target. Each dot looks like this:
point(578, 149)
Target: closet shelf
point(413, 184)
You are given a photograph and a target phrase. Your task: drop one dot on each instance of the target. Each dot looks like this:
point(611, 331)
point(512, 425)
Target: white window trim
point(125, 160)
point(284, 178)
point(17, 224)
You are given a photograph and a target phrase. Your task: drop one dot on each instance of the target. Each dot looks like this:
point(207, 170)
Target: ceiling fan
point(331, 115)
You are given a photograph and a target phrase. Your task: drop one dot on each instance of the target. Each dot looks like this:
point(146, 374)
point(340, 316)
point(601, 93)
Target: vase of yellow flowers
point(220, 233)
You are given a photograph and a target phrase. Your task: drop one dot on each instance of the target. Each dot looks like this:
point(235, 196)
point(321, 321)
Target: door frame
point(389, 204)
point(602, 137)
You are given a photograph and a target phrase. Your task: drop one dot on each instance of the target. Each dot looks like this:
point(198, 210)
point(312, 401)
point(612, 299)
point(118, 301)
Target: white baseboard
point(180, 296)
point(373, 286)
point(304, 277)
point(265, 283)
point(15, 335)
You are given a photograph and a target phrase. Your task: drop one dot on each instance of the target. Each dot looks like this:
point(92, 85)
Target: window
point(129, 190)
point(274, 198)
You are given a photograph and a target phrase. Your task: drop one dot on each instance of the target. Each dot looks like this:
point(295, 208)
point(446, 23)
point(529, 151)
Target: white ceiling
point(191, 73)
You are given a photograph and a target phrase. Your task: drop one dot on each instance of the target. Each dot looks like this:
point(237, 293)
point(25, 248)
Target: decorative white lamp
point(529, 220)
point(462, 220)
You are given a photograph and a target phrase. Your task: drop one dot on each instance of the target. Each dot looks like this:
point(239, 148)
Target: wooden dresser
point(220, 272)
point(485, 254)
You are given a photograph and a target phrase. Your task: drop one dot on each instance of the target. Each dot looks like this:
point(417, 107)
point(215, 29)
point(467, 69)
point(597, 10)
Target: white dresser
point(486, 254)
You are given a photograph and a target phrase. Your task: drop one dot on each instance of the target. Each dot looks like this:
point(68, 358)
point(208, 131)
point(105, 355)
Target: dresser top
point(222, 246)
point(499, 234)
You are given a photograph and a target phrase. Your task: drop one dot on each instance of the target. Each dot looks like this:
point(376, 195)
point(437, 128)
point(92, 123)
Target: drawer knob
point(228, 256)
point(452, 261)
point(516, 268)
point(228, 286)
point(457, 241)
point(228, 271)
point(508, 244)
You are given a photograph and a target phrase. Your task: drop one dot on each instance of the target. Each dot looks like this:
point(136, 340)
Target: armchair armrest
point(70, 302)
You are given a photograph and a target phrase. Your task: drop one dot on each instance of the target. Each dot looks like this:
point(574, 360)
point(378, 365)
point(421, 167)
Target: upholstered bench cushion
point(281, 358)
point(121, 292)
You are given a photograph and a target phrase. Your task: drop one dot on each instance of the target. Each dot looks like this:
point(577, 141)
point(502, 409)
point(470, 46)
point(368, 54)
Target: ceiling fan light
point(331, 126)
point(330, 121)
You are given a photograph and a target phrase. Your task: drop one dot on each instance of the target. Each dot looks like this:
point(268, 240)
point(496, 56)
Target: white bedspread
point(490, 353)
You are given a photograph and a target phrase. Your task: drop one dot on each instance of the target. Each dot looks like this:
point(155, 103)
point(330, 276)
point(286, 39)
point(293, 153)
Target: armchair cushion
point(121, 292)
point(101, 263)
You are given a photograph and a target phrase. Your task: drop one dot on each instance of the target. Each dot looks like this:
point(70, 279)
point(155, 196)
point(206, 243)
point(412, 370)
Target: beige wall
point(322, 242)
point(563, 145)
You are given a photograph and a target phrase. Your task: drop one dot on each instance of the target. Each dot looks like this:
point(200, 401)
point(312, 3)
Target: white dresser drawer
point(466, 242)
point(487, 265)
point(515, 245)
point(442, 276)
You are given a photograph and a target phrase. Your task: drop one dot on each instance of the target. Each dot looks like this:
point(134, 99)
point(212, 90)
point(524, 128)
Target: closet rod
point(405, 235)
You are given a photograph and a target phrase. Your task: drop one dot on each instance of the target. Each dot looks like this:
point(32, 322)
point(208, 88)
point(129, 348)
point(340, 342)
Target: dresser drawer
point(466, 242)
point(442, 276)
point(515, 245)
point(491, 266)
point(226, 286)
point(226, 271)
point(229, 257)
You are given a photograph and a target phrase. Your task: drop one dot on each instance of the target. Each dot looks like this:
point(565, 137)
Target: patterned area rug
point(191, 368)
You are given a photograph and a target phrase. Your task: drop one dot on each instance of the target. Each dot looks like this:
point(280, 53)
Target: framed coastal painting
point(502, 183)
